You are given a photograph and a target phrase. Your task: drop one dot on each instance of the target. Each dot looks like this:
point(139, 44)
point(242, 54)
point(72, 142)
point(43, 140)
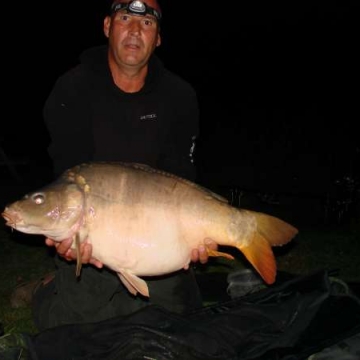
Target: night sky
point(277, 82)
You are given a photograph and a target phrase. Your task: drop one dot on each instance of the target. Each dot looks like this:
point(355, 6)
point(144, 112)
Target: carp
point(144, 222)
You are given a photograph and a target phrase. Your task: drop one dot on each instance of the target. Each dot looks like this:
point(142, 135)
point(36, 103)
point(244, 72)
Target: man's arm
point(66, 116)
point(183, 128)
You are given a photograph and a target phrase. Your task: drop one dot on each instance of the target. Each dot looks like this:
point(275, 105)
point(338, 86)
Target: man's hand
point(200, 254)
point(63, 248)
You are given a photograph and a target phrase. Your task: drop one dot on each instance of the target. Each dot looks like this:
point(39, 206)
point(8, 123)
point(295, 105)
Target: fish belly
point(144, 242)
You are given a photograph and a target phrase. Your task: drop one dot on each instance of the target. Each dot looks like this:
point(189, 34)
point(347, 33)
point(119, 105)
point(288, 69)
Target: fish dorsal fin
point(133, 283)
point(210, 194)
point(140, 166)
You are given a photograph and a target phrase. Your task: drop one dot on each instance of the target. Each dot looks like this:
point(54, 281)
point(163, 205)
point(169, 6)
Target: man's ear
point(107, 22)
point(158, 41)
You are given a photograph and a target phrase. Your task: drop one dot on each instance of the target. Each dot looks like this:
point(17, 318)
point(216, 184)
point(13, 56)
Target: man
point(119, 104)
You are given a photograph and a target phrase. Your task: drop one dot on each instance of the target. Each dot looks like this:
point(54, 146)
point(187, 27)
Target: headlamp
point(136, 7)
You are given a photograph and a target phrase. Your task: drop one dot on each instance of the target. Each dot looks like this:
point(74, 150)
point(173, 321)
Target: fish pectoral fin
point(215, 253)
point(133, 283)
point(259, 253)
point(78, 254)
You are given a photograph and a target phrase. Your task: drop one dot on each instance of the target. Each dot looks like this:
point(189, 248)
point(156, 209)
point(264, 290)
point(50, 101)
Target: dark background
point(278, 85)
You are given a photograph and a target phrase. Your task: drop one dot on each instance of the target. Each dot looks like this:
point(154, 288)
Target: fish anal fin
point(219, 254)
point(133, 283)
point(261, 257)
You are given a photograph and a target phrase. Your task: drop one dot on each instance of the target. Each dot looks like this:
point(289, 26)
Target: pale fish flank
point(145, 222)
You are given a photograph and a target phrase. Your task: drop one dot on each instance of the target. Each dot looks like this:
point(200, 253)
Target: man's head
point(133, 31)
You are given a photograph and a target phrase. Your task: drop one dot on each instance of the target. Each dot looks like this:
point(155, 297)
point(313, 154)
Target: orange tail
point(276, 231)
point(261, 257)
point(270, 231)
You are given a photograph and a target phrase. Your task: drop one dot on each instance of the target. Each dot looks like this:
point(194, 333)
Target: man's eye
point(148, 22)
point(124, 17)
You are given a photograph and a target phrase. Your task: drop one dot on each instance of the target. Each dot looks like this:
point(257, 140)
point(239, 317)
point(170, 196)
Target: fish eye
point(38, 198)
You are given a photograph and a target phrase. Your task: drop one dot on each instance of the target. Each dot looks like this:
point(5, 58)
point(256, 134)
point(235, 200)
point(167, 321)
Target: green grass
point(332, 248)
point(25, 257)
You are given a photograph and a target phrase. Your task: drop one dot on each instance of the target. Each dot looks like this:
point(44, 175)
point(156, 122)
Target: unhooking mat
point(290, 321)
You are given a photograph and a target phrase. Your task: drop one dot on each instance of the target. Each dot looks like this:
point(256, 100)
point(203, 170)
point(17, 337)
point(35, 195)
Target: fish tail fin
point(276, 231)
point(269, 231)
point(261, 257)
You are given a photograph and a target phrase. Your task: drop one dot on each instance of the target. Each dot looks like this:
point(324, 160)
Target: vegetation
point(23, 258)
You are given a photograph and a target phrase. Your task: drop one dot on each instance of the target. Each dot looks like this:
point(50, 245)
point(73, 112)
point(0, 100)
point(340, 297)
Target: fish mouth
point(11, 219)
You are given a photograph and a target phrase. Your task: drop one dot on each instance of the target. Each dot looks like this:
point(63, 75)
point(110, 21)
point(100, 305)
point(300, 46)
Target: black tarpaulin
point(288, 321)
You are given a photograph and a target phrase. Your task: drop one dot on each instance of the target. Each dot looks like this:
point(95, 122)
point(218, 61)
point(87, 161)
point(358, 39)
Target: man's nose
point(135, 26)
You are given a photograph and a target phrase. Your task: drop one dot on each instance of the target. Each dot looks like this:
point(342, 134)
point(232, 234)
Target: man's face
point(132, 38)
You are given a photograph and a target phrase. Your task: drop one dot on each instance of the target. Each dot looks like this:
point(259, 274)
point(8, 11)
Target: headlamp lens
point(136, 7)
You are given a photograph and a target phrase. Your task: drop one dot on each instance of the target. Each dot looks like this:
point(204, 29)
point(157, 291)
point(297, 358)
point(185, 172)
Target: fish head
point(55, 211)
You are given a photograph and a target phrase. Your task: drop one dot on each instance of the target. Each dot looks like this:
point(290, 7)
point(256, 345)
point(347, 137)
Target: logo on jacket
point(148, 117)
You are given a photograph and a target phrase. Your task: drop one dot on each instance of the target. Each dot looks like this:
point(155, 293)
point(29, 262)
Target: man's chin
point(134, 61)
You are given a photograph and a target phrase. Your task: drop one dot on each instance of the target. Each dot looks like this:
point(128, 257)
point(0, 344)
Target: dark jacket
point(89, 118)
